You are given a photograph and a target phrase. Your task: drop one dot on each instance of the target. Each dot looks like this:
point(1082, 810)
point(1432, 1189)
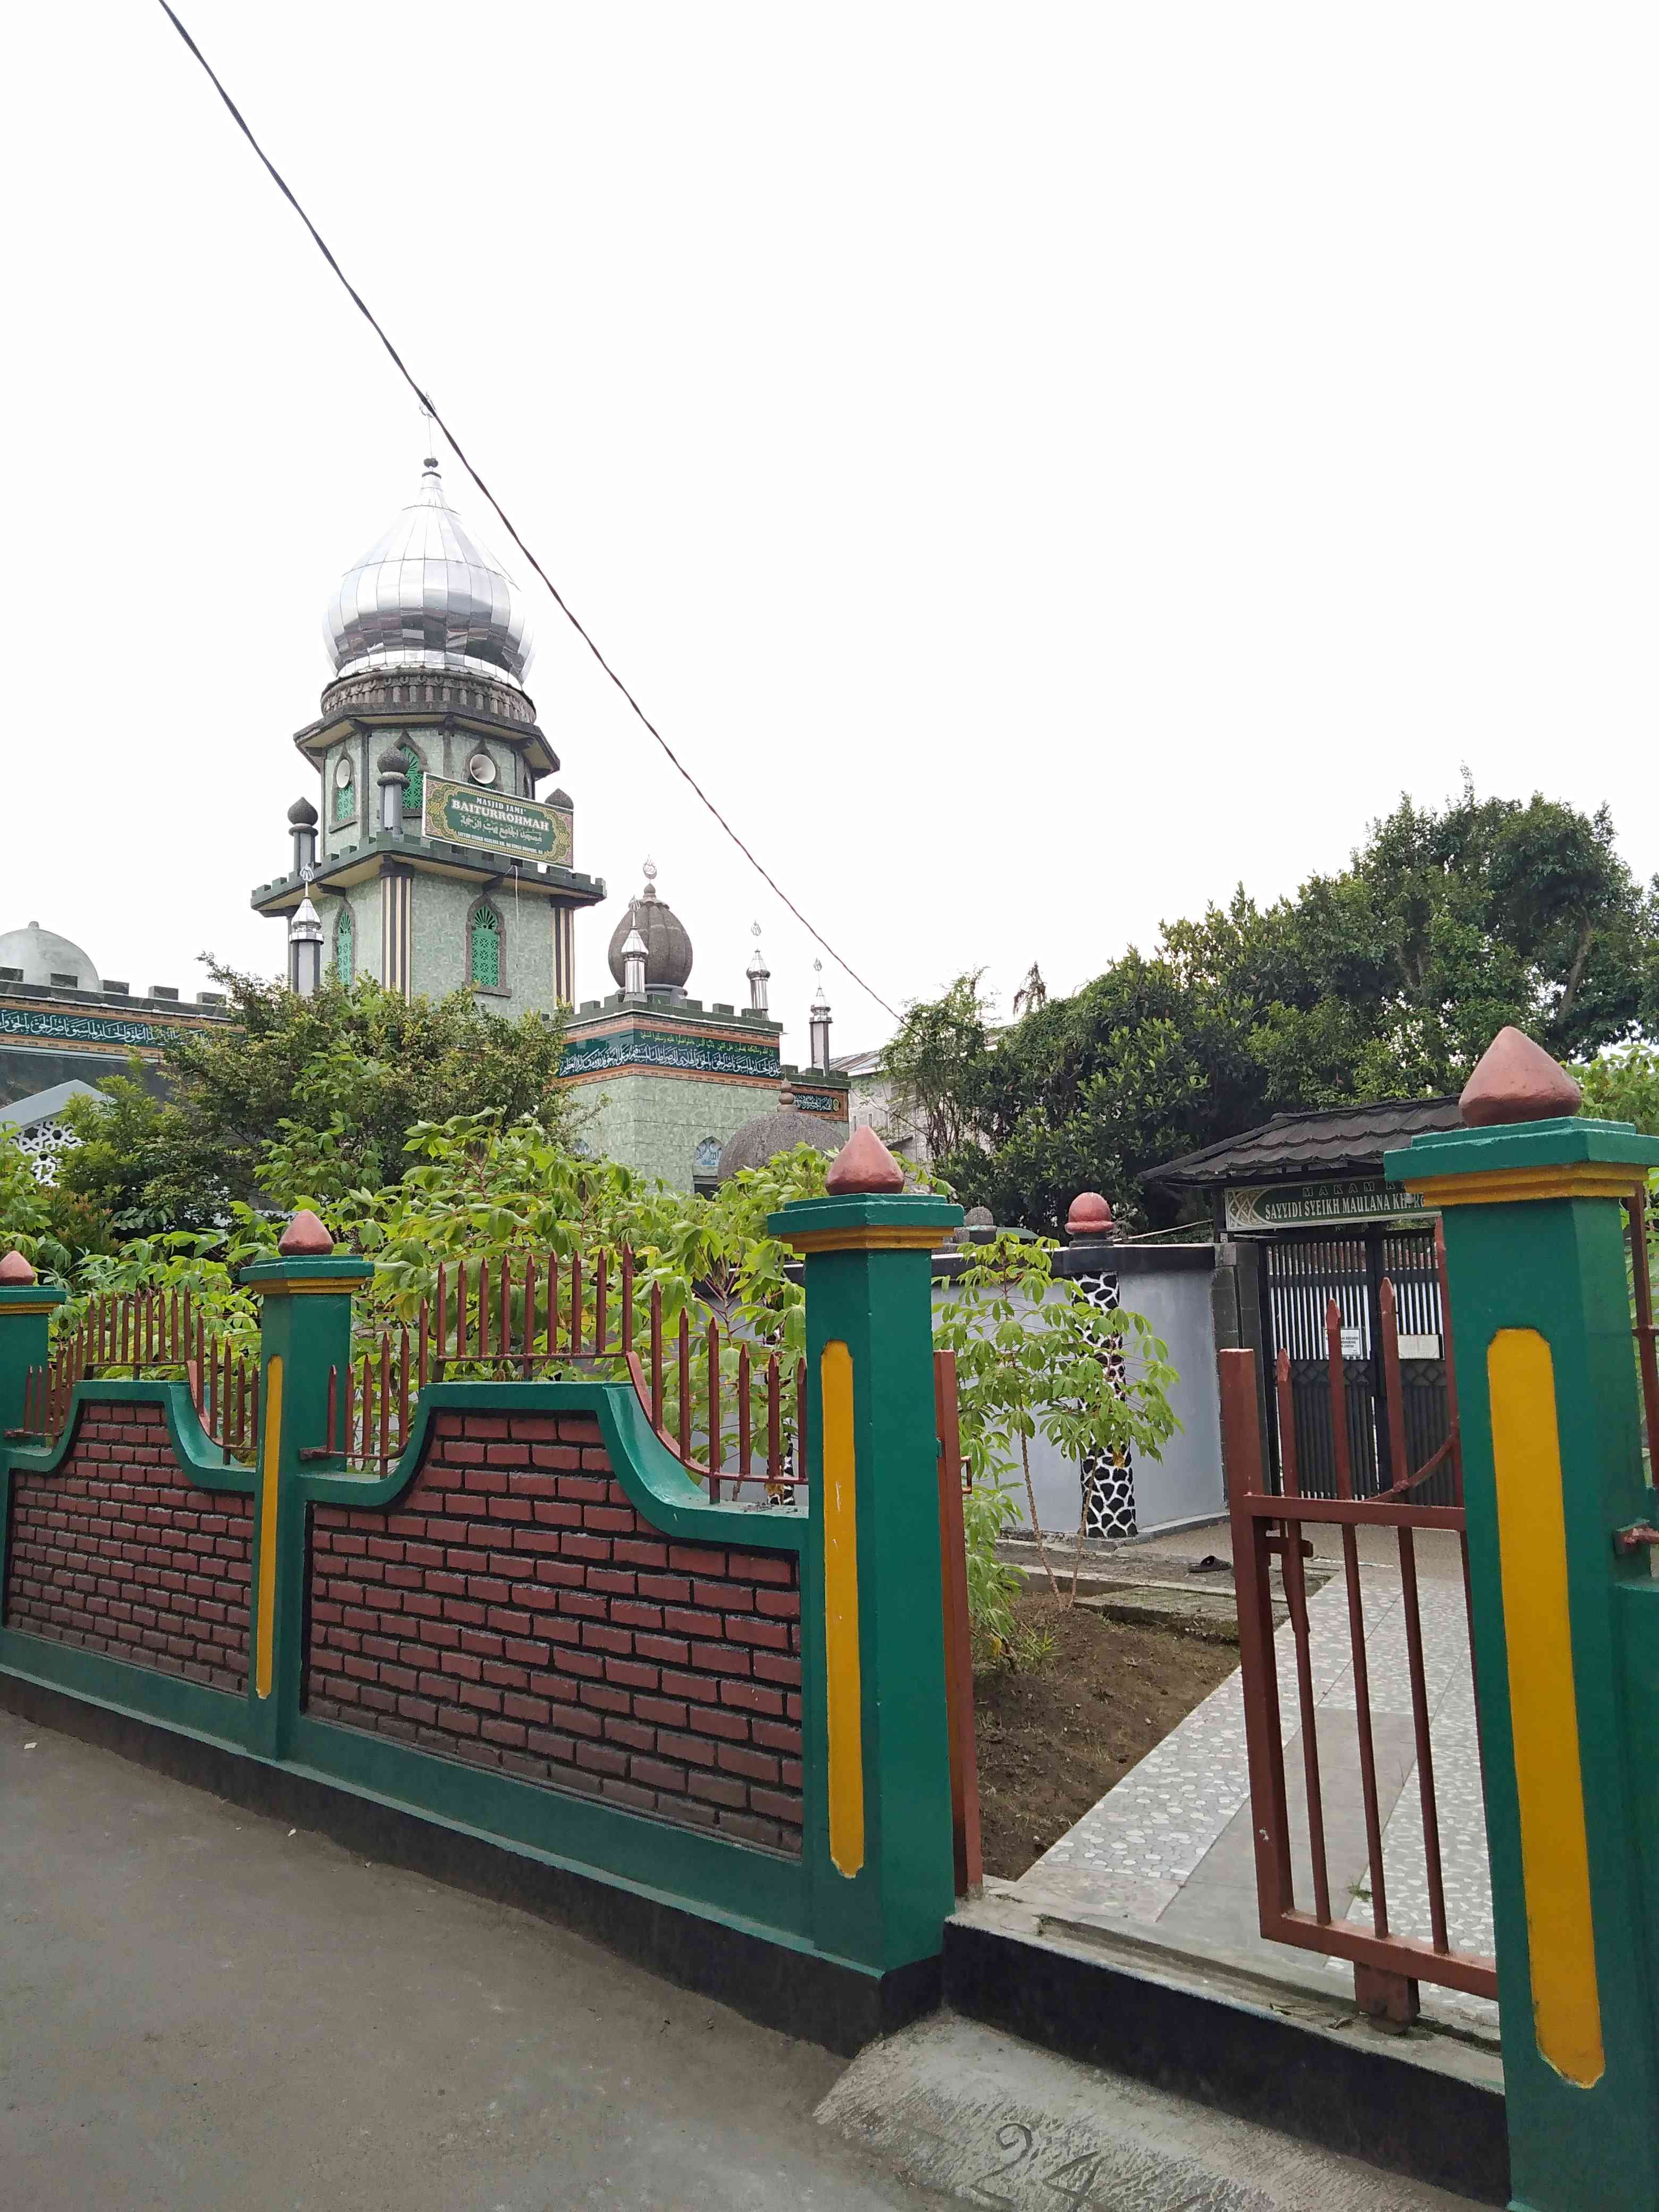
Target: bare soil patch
point(1052, 1742)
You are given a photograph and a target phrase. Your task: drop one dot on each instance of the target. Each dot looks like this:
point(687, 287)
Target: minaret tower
point(433, 865)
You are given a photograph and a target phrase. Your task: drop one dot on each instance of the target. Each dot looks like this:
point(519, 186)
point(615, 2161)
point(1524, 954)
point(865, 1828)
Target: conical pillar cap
point(864, 1168)
point(305, 1237)
point(1516, 1080)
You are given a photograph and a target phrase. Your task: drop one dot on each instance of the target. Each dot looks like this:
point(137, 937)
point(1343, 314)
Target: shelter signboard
point(1253, 1209)
point(523, 827)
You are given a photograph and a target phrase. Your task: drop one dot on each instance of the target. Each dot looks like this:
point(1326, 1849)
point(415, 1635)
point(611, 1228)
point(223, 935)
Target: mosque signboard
point(522, 826)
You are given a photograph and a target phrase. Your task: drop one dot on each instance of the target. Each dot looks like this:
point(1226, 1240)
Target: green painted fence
point(534, 1631)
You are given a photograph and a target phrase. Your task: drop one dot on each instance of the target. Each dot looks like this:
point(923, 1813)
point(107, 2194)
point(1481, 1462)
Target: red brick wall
point(512, 1609)
point(119, 1551)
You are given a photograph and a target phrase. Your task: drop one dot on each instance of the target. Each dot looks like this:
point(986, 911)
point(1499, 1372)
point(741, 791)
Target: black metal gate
point(1301, 1272)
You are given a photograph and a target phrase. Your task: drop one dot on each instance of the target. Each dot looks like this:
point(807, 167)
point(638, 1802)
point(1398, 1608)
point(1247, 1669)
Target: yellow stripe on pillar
point(1532, 1544)
point(270, 1453)
point(843, 1689)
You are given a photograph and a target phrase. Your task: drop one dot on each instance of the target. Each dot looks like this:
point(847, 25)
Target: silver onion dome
point(426, 595)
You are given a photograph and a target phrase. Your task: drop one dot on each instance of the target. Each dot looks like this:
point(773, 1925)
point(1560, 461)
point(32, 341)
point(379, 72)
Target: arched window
point(485, 949)
point(345, 790)
point(345, 947)
point(414, 782)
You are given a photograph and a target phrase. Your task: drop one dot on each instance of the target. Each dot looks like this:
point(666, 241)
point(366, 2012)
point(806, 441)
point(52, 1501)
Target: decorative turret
point(819, 1023)
point(667, 946)
point(634, 957)
point(302, 823)
point(759, 975)
point(304, 949)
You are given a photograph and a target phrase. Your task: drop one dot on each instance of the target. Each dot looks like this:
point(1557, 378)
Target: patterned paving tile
point(1138, 1849)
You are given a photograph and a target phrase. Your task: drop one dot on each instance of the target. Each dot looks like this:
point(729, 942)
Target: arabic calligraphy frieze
point(79, 1029)
point(644, 1049)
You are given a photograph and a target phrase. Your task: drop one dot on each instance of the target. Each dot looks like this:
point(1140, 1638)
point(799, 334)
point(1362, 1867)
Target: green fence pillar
point(1553, 1471)
point(875, 1728)
point(305, 1332)
point(27, 1305)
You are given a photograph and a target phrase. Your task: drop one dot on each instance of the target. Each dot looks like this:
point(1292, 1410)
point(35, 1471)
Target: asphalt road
point(202, 2009)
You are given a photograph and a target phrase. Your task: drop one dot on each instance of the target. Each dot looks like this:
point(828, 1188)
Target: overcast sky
point(1039, 466)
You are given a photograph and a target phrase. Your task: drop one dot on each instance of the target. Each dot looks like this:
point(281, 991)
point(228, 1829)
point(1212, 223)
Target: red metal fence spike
point(684, 1380)
point(656, 1356)
point(745, 1418)
point(716, 1441)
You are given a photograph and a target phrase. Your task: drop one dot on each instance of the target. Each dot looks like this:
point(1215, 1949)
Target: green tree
point(25, 1222)
point(932, 1059)
point(338, 1079)
point(97, 1202)
point(1623, 1086)
point(1387, 978)
point(1033, 1357)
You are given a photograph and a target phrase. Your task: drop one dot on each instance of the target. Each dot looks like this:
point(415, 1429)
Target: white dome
point(427, 596)
point(44, 956)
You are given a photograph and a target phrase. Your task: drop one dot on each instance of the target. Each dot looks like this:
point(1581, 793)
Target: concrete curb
point(1343, 2086)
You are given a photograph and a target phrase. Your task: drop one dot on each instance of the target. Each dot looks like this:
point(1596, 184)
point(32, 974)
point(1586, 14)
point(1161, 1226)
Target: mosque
point(437, 852)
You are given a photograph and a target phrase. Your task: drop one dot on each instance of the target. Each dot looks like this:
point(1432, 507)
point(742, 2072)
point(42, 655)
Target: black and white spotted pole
point(1109, 1482)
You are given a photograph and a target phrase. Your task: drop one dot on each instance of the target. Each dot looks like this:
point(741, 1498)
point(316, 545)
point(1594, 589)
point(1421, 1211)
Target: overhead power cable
point(559, 599)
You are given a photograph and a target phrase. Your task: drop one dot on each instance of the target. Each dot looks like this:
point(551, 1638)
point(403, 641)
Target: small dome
point(667, 946)
point(780, 1131)
point(302, 814)
point(44, 956)
point(426, 595)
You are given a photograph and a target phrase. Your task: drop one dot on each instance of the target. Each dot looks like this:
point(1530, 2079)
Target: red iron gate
point(1269, 1525)
point(1387, 1967)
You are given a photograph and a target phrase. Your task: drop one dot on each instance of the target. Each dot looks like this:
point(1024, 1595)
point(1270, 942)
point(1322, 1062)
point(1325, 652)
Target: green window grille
point(414, 787)
point(345, 801)
point(486, 949)
point(345, 946)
